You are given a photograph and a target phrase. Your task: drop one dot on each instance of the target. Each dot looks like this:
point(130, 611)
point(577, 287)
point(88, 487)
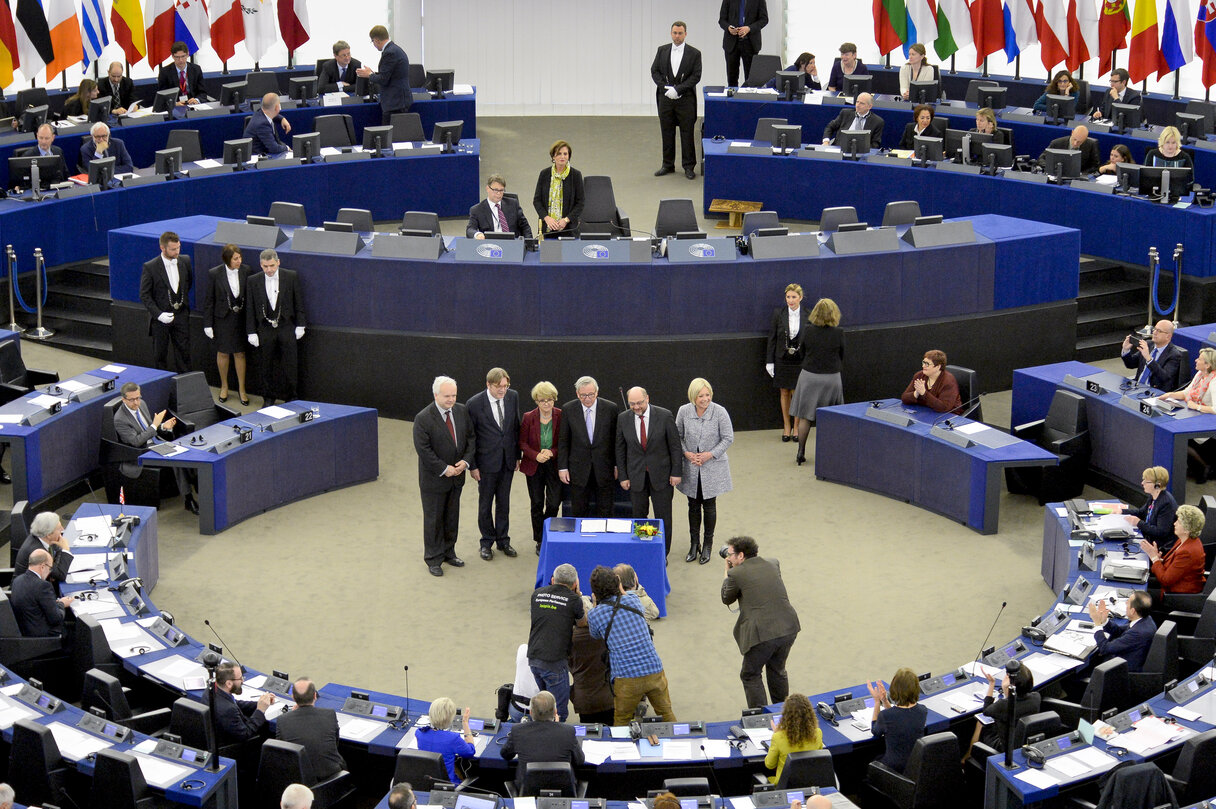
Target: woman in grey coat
point(705, 432)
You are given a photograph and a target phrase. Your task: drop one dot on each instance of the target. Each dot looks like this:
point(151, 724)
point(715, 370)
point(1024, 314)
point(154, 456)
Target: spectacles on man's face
point(132, 399)
point(498, 190)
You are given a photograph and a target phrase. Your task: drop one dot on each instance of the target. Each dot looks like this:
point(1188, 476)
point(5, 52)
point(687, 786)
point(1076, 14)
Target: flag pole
point(952, 70)
point(985, 71)
point(1177, 74)
point(224, 69)
point(1017, 67)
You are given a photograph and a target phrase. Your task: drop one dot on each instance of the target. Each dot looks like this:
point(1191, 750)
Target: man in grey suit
point(135, 426)
point(446, 445)
point(767, 624)
point(860, 117)
point(338, 74)
point(586, 449)
point(649, 452)
point(314, 728)
point(495, 416)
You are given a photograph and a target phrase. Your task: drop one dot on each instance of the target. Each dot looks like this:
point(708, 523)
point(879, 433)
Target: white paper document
point(98, 609)
point(1068, 766)
point(88, 561)
point(159, 772)
point(46, 400)
point(10, 418)
point(276, 412)
point(208, 163)
point(353, 728)
point(11, 711)
point(96, 527)
point(76, 744)
point(716, 748)
point(1183, 713)
point(1095, 759)
point(625, 751)
point(618, 526)
point(759, 736)
point(592, 526)
point(114, 369)
point(679, 750)
point(596, 752)
point(524, 803)
point(1039, 779)
point(972, 428)
point(73, 386)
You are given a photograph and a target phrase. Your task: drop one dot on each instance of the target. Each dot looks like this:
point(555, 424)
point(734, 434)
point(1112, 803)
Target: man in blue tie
point(1157, 361)
point(137, 427)
point(586, 450)
point(741, 21)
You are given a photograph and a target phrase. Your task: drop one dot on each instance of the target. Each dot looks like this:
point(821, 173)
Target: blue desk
point(914, 466)
point(51, 455)
point(1193, 338)
point(337, 448)
point(143, 552)
point(585, 551)
point(1123, 442)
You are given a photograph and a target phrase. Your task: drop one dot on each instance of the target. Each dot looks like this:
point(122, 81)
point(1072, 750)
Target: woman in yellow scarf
point(559, 193)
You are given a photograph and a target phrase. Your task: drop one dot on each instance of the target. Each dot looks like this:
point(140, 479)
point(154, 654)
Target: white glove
point(671, 93)
point(768, 366)
point(210, 332)
point(165, 317)
point(253, 339)
point(299, 332)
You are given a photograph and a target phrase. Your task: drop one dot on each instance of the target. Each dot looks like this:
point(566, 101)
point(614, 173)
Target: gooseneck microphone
point(989, 635)
point(407, 695)
point(225, 645)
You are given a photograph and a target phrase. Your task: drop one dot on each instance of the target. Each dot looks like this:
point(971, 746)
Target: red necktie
point(181, 81)
point(643, 420)
point(502, 219)
point(451, 430)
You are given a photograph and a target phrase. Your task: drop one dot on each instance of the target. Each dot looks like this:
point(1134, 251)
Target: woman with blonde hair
point(819, 383)
point(705, 434)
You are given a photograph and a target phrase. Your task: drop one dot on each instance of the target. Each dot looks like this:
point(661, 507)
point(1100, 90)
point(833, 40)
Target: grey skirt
point(815, 391)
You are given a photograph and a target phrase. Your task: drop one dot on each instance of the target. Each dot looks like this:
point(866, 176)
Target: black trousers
point(680, 113)
point(279, 359)
point(494, 506)
point(545, 494)
point(741, 51)
point(646, 496)
point(171, 344)
point(440, 524)
point(768, 656)
point(580, 496)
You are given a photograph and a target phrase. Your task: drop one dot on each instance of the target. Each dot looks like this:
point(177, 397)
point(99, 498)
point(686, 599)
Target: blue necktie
point(1152, 358)
point(742, 12)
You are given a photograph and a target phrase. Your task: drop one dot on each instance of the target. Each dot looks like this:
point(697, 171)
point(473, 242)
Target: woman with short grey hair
point(706, 433)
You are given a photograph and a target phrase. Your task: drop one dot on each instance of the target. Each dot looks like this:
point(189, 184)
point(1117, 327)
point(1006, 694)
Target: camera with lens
point(724, 551)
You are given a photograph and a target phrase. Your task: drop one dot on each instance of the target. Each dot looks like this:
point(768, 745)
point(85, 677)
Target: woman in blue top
point(1061, 84)
point(902, 723)
point(438, 739)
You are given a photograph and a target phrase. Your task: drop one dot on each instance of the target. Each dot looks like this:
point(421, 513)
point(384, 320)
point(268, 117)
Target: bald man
point(117, 87)
point(858, 118)
point(1079, 140)
point(649, 456)
point(39, 614)
point(1157, 361)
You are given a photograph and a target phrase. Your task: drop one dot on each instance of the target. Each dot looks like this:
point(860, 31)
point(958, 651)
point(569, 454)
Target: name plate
point(819, 154)
point(392, 245)
point(73, 190)
point(879, 240)
point(1021, 118)
point(951, 437)
point(247, 235)
point(1139, 405)
point(605, 251)
point(958, 168)
point(344, 157)
point(793, 245)
point(889, 160)
point(738, 148)
point(311, 240)
point(489, 251)
point(1090, 185)
point(1026, 177)
point(889, 415)
point(1143, 134)
point(714, 248)
point(940, 235)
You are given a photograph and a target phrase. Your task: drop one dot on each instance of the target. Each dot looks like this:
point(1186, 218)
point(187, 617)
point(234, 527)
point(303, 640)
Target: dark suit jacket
point(316, 729)
point(393, 76)
point(685, 80)
point(541, 741)
point(664, 453)
point(1129, 643)
point(38, 614)
point(126, 92)
point(1159, 525)
point(755, 16)
point(265, 136)
point(167, 79)
point(529, 440)
point(154, 292)
point(117, 149)
point(32, 151)
point(779, 336)
point(291, 303)
point(765, 612)
point(937, 129)
point(62, 560)
point(572, 195)
point(578, 455)
point(1163, 372)
point(1090, 158)
point(327, 80)
point(216, 305)
point(1130, 96)
point(435, 449)
point(497, 448)
point(237, 721)
point(874, 123)
point(482, 219)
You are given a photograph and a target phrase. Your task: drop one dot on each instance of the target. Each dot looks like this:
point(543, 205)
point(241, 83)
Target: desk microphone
point(710, 764)
point(989, 635)
point(878, 404)
point(948, 415)
point(407, 695)
point(225, 645)
point(261, 428)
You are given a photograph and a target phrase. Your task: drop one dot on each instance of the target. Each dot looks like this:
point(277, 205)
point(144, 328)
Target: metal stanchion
point(11, 255)
point(39, 332)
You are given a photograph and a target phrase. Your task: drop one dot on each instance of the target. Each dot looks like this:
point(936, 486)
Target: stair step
point(1109, 287)
point(73, 315)
point(1110, 313)
point(93, 347)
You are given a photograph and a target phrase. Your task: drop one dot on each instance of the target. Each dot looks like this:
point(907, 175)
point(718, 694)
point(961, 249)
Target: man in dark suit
point(495, 416)
point(1080, 140)
point(650, 456)
point(676, 72)
point(496, 213)
point(46, 534)
point(1119, 93)
point(1158, 362)
point(117, 87)
point(767, 623)
point(586, 449)
point(164, 289)
point(183, 74)
point(860, 117)
point(46, 148)
point(315, 728)
point(338, 74)
point(135, 426)
point(543, 739)
point(39, 614)
point(101, 145)
point(237, 721)
point(446, 445)
point(1129, 642)
point(741, 21)
point(392, 74)
point(260, 127)
point(274, 322)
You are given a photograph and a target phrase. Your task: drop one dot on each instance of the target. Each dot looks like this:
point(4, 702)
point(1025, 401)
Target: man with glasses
point(586, 449)
point(135, 426)
point(497, 213)
point(1119, 93)
point(1157, 361)
point(100, 145)
point(495, 416)
point(46, 533)
point(39, 614)
point(182, 74)
point(767, 623)
point(237, 720)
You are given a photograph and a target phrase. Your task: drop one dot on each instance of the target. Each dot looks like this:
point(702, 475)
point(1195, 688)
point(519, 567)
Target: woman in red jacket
point(1180, 570)
point(933, 386)
point(538, 434)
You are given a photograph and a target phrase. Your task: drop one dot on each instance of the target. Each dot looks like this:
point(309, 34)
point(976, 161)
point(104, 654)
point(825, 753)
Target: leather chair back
point(1194, 768)
point(118, 783)
point(90, 649)
point(675, 216)
point(281, 764)
point(188, 140)
point(359, 218)
point(809, 768)
point(1109, 687)
point(1185, 368)
point(35, 764)
point(832, 218)
point(407, 126)
point(104, 691)
point(420, 769)
point(764, 68)
point(933, 767)
point(968, 388)
point(336, 130)
point(687, 787)
point(1160, 664)
point(8, 619)
point(764, 128)
point(18, 528)
point(600, 213)
point(421, 220)
point(1066, 417)
point(192, 722)
point(259, 83)
point(417, 75)
point(12, 367)
point(755, 220)
point(973, 89)
point(191, 396)
point(1046, 722)
point(901, 212)
point(540, 775)
point(288, 213)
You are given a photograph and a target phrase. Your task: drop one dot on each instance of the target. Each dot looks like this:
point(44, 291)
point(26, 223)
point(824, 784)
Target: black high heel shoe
point(800, 459)
point(785, 439)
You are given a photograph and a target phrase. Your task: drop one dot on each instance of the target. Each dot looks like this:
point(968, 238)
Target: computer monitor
point(165, 100)
point(499, 236)
point(999, 155)
point(690, 234)
point(857, 83)
point(237, 151)
point(926, 148)
point(1205, 108)
point(1061, 108)
point(447, 133)
point(168, 161)
point(99, 109)
point(265, 221)
point(991, 97)
point(101, 171)
point(786, 136)
point(790, 84)
point(1192, 126)
point(1062, 163)
point(421, 234)
point(20, 170)
point(33, 117)
point(1153, 180)
point(233, 95)
point(302, 88)
point(440, 81)
point(377, 138)
point(1127, 177)
point(935, 219)
point(306, 145)
point(851, 227)
point(762, 232)
point(338, 227)
point(1125, 116)
point(955, 138)
point(853, 141)
point(924, 92)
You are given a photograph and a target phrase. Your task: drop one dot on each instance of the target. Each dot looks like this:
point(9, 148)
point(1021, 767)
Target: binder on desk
point(563, 525)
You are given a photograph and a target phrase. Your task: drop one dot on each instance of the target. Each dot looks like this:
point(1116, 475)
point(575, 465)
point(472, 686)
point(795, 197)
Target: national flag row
point(55, 34)
point(1068, 32)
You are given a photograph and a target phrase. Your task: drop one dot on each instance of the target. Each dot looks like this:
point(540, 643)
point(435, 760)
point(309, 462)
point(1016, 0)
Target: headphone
point(193, 783)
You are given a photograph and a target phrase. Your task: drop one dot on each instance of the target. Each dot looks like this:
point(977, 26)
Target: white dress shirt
point(637, 425)
point(272, 289)
point(234, 280)
point(171, 271)
point(795, 316)
point(677, 56)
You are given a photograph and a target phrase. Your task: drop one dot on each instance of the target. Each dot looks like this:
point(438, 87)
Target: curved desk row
point(1193, 338)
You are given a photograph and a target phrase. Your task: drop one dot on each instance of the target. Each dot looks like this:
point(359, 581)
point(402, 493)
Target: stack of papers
point(276, 412)
point(358, 729)
point(1148, 734)
point(128, 639)
point(76, 744)
point(11, 711)
point(964, 699)
point(159, 772)
point(91, 531)
point(178, 671)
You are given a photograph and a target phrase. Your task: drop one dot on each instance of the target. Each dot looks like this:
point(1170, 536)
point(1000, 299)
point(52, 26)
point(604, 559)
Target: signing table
point(590, 544)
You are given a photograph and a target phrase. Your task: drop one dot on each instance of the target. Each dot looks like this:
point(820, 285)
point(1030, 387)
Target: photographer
point(767, 622)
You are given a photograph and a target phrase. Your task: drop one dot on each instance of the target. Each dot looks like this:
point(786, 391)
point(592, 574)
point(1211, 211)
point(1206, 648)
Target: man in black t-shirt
point(556, 608)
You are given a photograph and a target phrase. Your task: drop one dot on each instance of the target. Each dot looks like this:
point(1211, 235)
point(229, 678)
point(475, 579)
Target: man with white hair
point(6, 796)
point(445, 442)
point(296, 796)
point(556, 608)
point(100, 145)
point(46, 533)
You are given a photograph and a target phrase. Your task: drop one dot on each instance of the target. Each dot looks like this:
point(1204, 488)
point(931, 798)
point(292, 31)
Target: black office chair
point(189, 141)
point(764, 128)
point(968, 388)
point(288, 213)
point(1186, 369)
point(336, 130)
point(1065, 432)
point(421, 220)
point(973, 89)
point(1109, 687)
point(91, 650)
point(932, 777)
point(900, 212)
point(417, 75)
point(548, 775)
point(191, 404)
point(105, 692)
point(36, 770)
point(600, 212)
point(1132, 785)
point(1160, 665)
point(686, 787)
point(18, 651)
point(808, 768)
point(832, 218)
point(1045, 722)
point(15, 379)
point(320, 64)
point(1083, 98)
point(764, 68)
point(359, 218)
point(284, 763)
point(1194, 778)
point(259, 83)
point(755, 220)
point(675, 216)
point(422, 769)
point(18, 528)
point(1199, 646)
point(407, 127)
point(30, 97)
point(118, 783)
point(141, 485)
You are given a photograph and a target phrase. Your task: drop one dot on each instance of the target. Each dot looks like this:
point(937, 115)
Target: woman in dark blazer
point(1156, 517)
point(819, 381)
point(224, 317)
point(783, 356)
point(559, 204)
point(79, 103)
point(538, 432)
point(921, 124)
